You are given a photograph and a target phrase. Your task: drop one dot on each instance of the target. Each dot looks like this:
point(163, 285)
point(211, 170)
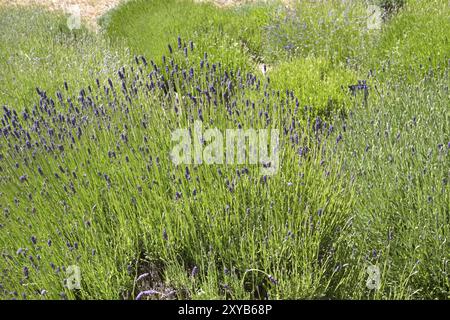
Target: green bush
point(398, 152)
point(316, 81)
point(417, 38)
point(332, 29)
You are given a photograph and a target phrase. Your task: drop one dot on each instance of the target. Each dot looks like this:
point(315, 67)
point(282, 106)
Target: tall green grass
point(415, 39)
point(37, 49)
point(230, 35)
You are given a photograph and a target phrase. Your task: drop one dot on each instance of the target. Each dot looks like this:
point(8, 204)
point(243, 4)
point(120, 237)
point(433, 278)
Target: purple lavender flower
point(25, 272)
point(273, 280)
point(194, 271)
point(146, 293)
point(23, 178)
point(142, 276)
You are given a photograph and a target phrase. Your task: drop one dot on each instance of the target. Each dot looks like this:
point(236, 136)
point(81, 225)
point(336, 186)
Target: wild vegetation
point(363, 114)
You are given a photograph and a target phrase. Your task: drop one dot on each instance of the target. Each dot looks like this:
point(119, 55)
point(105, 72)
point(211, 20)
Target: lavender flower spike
point(146, 293)
point(142, 276)
point(194, 271)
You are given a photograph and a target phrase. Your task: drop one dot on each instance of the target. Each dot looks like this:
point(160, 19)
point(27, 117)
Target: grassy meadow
point(363, 115)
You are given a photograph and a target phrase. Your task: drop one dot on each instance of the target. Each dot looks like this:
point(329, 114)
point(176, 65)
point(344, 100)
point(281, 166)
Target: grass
point(400, 46)
point(48, 54)
point(231, 36)
point(316, 81)
point(86, 179)
point(400, 164)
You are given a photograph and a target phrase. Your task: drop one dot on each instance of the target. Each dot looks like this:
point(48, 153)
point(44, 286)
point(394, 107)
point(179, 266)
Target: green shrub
point(366, 187)
point(37, 49)
point(331, 29)
point(417, 38)
point(398, 152)
point(316, 81)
